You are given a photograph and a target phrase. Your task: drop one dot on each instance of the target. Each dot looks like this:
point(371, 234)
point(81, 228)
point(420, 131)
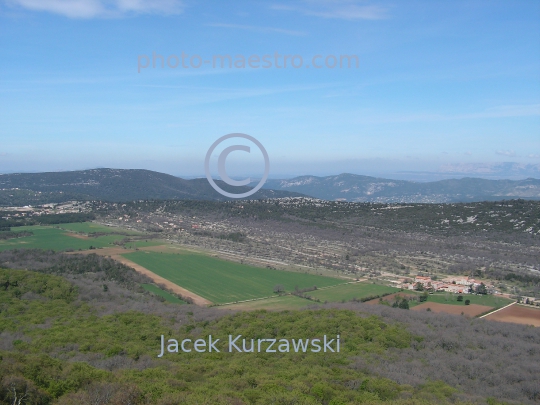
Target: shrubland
point(67, 340)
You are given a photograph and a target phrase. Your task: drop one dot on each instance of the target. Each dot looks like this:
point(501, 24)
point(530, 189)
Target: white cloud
point(534, 156)
point(337, 9)
point(506, 153)
point(99, 8)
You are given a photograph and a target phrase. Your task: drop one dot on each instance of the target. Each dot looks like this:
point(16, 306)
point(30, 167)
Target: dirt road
point(115, 253)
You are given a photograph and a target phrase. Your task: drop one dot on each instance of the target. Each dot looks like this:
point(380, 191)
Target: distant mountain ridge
point(357, 188)
point(112, 185)
point(119, 185)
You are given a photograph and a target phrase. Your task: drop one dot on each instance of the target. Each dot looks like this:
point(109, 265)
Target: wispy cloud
point(534, 156)
point(258, 29)
point(508, 152)
point(336, 9)
point(99, 8)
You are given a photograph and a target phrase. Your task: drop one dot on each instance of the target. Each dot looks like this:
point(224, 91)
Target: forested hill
point(119, 185)
point(111, 185)
point(355, 188)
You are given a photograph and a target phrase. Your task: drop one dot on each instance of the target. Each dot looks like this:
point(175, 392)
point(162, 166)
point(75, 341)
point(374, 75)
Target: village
point(456, 285)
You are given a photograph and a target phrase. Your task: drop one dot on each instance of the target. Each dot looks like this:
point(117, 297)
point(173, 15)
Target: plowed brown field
point(517, 314)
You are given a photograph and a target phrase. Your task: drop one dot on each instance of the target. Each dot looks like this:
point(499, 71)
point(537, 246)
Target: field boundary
point(497, 310)
point(252, 299)
point(284, 295)
point(197, 299)
point(116, 254)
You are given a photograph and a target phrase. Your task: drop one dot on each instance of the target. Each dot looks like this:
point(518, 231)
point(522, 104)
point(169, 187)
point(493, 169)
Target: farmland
point(485, 300)
point(517, 314)
point(90, 227)
point(493, 301)
point(221, 281)
point(45, 237)
point(161, 293)
point(411, 296)
point(469, 310)
point(336, 293)
point(351, 291)
point(278, 303)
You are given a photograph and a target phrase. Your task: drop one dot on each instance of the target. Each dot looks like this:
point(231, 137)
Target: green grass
point(448, 298)
point(221, 281)
point(55, 239)
point(89, 227)
point(277, 303)
point(349, 291)
point(166, 295)
point(144, 243)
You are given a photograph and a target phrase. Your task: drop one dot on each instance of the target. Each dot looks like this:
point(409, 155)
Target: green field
point(448, 298)
point(144, 243)
point(46, 237)
point(349, 291)
point(158, 291)
point(221, 281)
point(276, 303)
point(90, 227)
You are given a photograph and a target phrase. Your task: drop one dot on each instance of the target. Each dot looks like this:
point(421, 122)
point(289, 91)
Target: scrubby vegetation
point(14, 235)
point(103, 268)
point(69, 342)
point(498, 217)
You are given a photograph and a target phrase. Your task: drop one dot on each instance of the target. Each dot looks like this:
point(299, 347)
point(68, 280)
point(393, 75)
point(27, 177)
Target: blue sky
point(438, 83)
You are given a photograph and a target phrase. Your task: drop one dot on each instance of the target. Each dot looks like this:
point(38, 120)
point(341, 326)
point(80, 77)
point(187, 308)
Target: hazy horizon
point(417, 176)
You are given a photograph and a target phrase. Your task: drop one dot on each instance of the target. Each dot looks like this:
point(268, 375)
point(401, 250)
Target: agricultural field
point(351, 291)
point(469, 310)
point(222, 281)
point(398, 295)
point(161, 293)
point(136, 244)
point(494, 301)
point(46, 237)
point(517, 314)
point(90, 227)
point(281, 303)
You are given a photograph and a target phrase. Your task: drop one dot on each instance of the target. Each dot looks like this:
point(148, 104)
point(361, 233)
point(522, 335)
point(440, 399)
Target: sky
point(133, 84)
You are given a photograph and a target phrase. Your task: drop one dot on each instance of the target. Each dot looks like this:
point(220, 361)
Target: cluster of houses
point(458, 285)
